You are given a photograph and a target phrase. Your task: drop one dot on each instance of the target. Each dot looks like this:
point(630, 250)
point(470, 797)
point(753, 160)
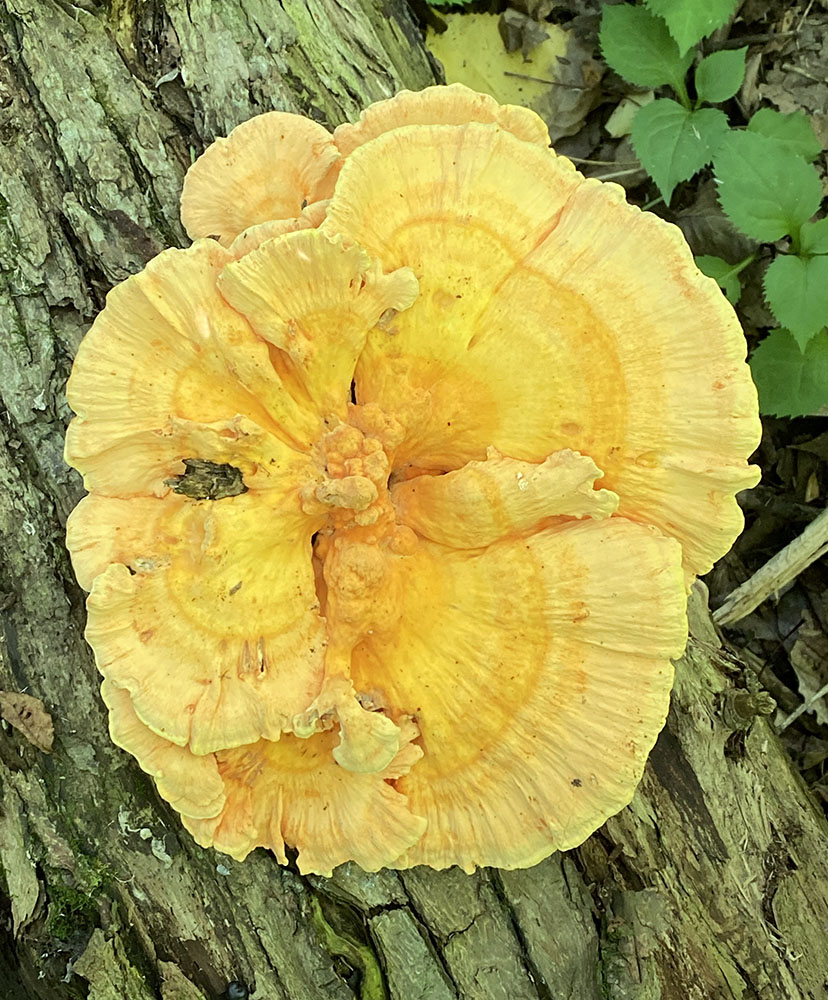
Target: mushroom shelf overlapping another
point(397, 480)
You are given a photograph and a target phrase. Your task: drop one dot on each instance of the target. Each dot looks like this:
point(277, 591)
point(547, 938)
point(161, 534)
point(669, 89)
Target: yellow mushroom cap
point(277, 795)
point(209, 617)
point(537, 699)
point(394, 497)
point(267, 169)
point(170, 370)
point(554, 315)
point(454, 104)
point(294, 793)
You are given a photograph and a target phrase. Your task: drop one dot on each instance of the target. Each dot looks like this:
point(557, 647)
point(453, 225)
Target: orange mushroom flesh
point(361, 485)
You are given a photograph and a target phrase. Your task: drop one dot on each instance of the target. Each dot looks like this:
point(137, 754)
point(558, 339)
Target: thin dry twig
point(540, 79)
point(803, 72)
point(778, 571)
point(803, 708)
point(804, 15)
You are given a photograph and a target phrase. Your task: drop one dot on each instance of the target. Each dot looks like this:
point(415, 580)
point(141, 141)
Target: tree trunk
point(712, 884)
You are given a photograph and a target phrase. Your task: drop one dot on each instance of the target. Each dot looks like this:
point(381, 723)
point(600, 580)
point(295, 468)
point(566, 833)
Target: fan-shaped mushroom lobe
point(542, 325)
point(266, 170)
point(293, 792)
point(211, 619)
point(455, 104)
point(539, 676)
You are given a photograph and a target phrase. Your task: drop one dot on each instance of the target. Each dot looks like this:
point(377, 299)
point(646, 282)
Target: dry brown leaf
point(709, 231)
point(28, 714)
point(520, 32)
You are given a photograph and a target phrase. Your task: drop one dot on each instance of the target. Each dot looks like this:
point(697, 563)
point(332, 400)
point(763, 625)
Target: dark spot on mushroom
point(205, 480)
point(576, 782)
point(353, 392)
point(235, 588)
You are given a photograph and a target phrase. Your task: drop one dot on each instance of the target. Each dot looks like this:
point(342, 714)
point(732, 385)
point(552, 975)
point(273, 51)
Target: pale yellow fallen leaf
point(561, 92)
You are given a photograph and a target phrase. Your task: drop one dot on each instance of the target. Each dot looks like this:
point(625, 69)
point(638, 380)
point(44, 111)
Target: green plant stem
point(618, 173)
point(649, 204)
point(680, 88)
point(738, 268)
point(796, 240)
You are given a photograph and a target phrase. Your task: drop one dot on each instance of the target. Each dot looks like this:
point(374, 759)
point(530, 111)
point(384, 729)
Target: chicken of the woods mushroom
point(397, 480)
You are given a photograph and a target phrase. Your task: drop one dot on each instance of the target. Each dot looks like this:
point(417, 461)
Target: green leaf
point(813, 237)
point(691, 20)
point(639, 47)
point(719, 75)
point(794, 131)
point(672, 143)
point(790, 383)
point(766, 190)
point(727, 275)
point(796, 289)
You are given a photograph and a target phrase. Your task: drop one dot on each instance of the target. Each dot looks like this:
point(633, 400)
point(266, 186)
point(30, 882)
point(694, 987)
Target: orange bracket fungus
point(397, 480)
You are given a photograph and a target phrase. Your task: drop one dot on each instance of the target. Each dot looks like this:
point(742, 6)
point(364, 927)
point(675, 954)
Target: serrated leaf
point(793, 130)
point(691, 20)
point(725, 274)
point(673, 143)
point(638, 46)
point(766, 190)
point(791, 383)
point(796, 289)
point(719, 75)
point(813, 237)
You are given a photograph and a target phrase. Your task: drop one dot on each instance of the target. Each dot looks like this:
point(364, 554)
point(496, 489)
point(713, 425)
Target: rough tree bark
point(712, 884)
